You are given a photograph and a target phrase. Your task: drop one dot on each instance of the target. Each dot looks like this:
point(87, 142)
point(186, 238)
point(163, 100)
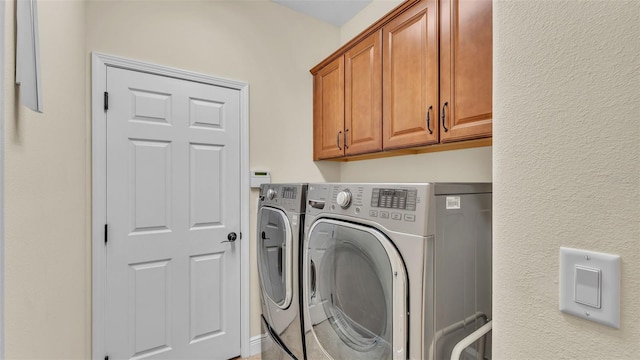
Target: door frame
point(100, 63)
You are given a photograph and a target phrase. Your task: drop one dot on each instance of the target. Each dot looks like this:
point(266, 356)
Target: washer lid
point(361, 286)
point(275, 256)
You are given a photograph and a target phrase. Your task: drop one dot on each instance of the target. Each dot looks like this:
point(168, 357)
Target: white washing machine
point(279, 238)
point(396, 271)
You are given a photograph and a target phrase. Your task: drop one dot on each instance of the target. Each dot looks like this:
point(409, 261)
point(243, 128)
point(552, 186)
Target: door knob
point(231, 237)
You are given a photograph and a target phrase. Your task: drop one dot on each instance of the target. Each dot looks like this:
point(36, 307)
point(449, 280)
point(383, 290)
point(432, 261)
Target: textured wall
point(566, 169)
point(47, 303)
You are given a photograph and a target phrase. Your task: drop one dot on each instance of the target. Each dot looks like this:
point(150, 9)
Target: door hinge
point(106, 101)
point(106, 233)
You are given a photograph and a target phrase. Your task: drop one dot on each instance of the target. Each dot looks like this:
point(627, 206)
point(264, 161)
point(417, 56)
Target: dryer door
point(357, 292)
point(275, 256)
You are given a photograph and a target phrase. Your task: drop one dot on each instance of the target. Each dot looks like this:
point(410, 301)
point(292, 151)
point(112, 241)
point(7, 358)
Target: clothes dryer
point(396, 271)
point(279, 237)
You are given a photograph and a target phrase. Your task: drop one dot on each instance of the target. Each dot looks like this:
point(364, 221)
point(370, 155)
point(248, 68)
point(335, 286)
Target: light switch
point(587, 289)
point(590, 285)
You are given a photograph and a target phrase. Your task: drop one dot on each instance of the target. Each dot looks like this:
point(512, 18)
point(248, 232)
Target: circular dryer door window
point(360, 284)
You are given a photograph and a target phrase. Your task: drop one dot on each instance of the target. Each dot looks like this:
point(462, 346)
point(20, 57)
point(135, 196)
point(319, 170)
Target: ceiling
point(336, 12)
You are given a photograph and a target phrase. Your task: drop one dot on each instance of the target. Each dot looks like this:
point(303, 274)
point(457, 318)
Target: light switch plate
point(590, 285)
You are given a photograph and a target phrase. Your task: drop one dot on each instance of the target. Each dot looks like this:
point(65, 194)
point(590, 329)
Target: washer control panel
point(290, 197)
point(398, 207)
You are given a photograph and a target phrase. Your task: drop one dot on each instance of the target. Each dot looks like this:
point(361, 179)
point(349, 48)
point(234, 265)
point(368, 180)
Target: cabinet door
point(328, 111)
point(363, 96)
point(465, 69)
point(410, 76)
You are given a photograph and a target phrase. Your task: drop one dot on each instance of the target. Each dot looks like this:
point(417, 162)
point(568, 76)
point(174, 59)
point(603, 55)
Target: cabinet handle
point(345, 139)
point(429, 119)
point(444, 115)
point(338, 140)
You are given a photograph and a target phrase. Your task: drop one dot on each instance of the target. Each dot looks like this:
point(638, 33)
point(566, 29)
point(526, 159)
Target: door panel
point(151, 107)
point(328, 111)
point(410, 75)
point(151, 185)
point(466, 69)
point(206, 175)
point(205, 113)
point(173, 195)
point(363, 96)
point(206, 278)
point(149, 290)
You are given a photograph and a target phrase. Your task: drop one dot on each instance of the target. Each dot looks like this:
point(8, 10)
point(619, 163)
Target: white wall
point(47, 279)
point(473, 165)
point(566, 170)
point(267, 45)
point(447, 166)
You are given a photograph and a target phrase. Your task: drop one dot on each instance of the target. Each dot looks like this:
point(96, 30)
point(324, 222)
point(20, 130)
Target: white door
point(173, 196)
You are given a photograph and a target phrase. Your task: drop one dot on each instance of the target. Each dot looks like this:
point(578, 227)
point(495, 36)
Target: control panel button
point(384, 214)
point(409, 217)
point(344, 198)
point(375, 197)
point(396, 216)
point(373, 213)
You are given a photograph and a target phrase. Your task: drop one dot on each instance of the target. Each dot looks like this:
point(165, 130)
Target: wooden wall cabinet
point(466, 60)
point(328, 110)
point(418, 77)
point(347, 102)
point(410, 77)
point(363, 96)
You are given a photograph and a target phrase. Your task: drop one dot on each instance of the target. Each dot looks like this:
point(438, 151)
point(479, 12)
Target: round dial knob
point(271, 194)
point(344, 198)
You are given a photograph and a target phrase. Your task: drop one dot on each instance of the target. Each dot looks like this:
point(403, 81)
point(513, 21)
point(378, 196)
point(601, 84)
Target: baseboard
point(256, 343)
